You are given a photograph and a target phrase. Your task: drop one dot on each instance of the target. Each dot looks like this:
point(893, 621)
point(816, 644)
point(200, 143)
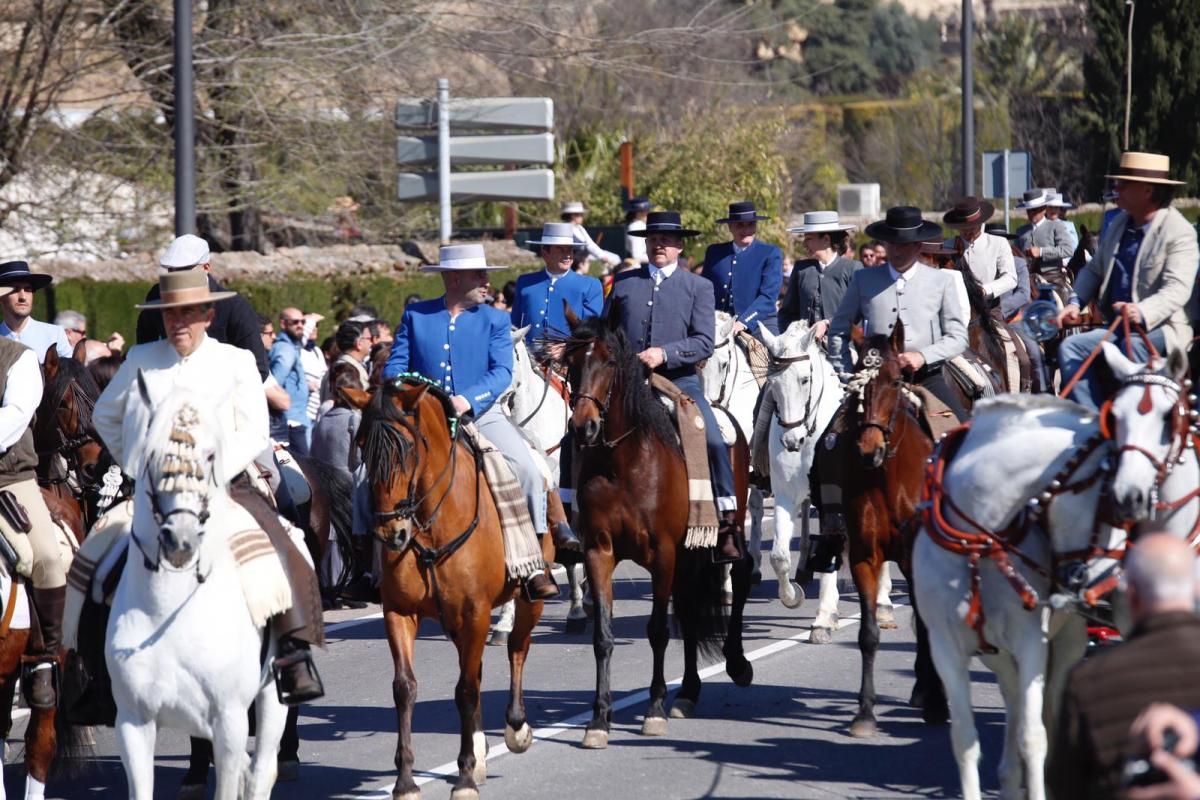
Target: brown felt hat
point(969, 211)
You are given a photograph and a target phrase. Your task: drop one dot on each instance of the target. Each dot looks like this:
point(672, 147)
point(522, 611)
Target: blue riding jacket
point(746, 284)
point(539, 301)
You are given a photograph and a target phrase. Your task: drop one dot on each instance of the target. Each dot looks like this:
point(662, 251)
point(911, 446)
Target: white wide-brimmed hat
point(574, 207)
point(185, 252)
point(460, 258)
point(1034, 198)
point(821, 222)
point(556, 233)
point(1058, 201)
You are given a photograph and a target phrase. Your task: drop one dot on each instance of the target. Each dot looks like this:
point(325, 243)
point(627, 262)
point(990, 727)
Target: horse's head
point(796, 365)
point(179, 472)
point(1147, 419)
point(878, 380)
point(406, 445)
point(590, 355)
point(522, 374)
point(63, 425)
point(716, 368)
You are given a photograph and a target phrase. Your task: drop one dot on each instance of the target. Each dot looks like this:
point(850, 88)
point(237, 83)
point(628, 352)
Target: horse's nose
point(877, 456)
point(591, 431)
point(1133, 505)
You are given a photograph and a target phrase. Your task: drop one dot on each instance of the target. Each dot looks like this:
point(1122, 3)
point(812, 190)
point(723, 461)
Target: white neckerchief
point(554, 278)
point(738, 249)
point(660, 274)
point(900, 278)
point(823, 265)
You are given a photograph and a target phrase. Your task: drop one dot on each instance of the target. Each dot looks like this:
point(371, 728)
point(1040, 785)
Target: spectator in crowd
point(354, 348)
point(74, 324)
point(235, 322)
point(291, 427)
point(333, 436)
point(381, 333)
point(880, 254)
point(17, 309)
point(1148, 736)
point(314, 363)
point(509, 293)
point(1157, 663)
point(866, 254)
point(266, 331)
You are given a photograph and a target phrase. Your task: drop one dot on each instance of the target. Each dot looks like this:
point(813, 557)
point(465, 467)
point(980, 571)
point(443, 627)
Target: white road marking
point(582, 719)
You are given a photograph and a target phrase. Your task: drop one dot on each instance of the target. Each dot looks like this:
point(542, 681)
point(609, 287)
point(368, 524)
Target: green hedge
point(109, 306)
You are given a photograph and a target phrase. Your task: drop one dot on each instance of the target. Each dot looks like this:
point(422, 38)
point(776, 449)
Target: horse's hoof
point(288, 771)
point(595, 739)
point(862, 728)
point(498, 638)
point(885, 618)
point(577, 625)
point(936, 712)
point(741, 672)
point(654, 726)
point(518, 741)
point(192, 791)
point(465, 793)
point(791, 595)
point(820, 635)
point(406, 794)
point(682, 708)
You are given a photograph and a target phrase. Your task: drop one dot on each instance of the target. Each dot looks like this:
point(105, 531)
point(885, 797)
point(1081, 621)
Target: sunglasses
point(299, 321)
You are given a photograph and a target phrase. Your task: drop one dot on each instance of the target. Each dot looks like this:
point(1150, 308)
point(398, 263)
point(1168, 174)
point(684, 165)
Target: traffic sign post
point(519, 148)
point(1006, 173)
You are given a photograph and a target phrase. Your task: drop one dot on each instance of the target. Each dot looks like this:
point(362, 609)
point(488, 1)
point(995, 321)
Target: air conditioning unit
point(858, 201)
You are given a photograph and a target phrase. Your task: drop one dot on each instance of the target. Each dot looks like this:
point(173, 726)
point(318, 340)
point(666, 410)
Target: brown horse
point(444, 560)
point(632, 495)
point(877, 462)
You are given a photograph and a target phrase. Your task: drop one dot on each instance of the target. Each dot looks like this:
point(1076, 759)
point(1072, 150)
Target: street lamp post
point(968, 101)
point(185, 122)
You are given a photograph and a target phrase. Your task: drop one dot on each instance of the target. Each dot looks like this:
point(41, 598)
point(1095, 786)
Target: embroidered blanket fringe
point(760, 445)
point(757, 355)
point(702, 510)
point(522, 551)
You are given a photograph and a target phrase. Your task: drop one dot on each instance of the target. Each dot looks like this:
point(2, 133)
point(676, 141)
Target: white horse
point(730, 385)
point(807, 393)
point(1022, 456)
point(182, 648)
point(538, 408)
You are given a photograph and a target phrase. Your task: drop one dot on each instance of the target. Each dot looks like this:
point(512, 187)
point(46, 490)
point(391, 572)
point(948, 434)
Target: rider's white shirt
point(221, 377)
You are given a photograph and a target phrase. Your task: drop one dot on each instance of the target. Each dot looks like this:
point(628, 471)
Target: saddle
point(975, 377)
point(689, 424)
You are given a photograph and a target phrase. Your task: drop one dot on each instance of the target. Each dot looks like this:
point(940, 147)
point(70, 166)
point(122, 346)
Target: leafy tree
point(1165, 113)
point(901, 45)
point(837, 53)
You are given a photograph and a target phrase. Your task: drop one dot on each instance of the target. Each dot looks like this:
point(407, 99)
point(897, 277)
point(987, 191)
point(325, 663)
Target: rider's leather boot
point(540, 586)
point(728, 549)
point(568, 549)
point(296, 678)
point(40, 677)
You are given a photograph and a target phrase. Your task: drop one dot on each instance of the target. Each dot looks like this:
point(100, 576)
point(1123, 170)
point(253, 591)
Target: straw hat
point(1146, 168)
point(186, 287)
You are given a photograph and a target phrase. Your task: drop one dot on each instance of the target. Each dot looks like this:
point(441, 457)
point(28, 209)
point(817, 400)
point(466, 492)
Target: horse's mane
point(76, 379)
point(384, 448)
point(642, 409)
point(980, 314)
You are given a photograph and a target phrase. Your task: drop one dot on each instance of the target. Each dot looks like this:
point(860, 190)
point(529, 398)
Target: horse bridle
point(160, 518)
point(602, 407)
point(1179, 426)
point(406, 507)
point(810, 408)
point(889, 450)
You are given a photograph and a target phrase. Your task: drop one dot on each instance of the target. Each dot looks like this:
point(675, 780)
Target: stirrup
point(300, 655)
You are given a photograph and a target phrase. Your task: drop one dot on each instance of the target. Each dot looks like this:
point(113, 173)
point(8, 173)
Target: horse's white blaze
point(1016, 446)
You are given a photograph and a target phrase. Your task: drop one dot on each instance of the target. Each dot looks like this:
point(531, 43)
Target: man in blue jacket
point(746, 274)
point(540, 295)
point(463, 345)
point(291, 427)
point(667, 314)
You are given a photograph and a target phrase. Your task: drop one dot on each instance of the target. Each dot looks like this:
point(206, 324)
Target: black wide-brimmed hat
point(12, 272)
point(743, 212)
point(664, 222)
point(998, 229)
point(638, 204)
point(969, 211)
point(903, 224)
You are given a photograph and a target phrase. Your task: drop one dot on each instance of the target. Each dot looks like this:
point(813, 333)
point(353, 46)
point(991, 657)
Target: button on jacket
point(746, 284)
point(927, 300)
point(676, 315)
point(539, 301)
point(470, 355)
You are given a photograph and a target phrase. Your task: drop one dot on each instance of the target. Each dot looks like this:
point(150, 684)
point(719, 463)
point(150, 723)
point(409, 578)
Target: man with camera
point(1107, 692)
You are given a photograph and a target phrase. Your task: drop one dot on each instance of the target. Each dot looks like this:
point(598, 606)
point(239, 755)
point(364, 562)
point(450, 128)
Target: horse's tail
point(74, 747)
point(338, 487)
point(699, 600)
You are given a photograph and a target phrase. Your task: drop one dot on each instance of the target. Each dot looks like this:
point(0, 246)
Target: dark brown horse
point(632, 496)
point(444, 560)
point(877, 462)
point(70, 457)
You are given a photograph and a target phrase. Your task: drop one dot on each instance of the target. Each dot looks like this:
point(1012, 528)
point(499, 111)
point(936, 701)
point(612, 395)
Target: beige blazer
point(1163, 275)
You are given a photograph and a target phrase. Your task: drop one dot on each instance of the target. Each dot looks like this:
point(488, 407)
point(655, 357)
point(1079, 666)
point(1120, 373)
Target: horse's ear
point(572, 319)
point(614, 313)
point(355, 397)
point(1177, 365)
point(1121, 366)
point(770, 339)
point(897, 340)
point(519, 333)
point(856, 337)
point(50, 363)
point(1083, 232)
point(143, 389)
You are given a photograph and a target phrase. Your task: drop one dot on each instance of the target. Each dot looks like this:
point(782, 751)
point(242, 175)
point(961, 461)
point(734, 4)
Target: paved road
point(785, 736)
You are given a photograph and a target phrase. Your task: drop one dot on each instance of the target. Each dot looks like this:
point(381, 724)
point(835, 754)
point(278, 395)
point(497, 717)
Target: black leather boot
point(296, 678)
point(728, 549)
point(568, 547)
point(41, 676)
